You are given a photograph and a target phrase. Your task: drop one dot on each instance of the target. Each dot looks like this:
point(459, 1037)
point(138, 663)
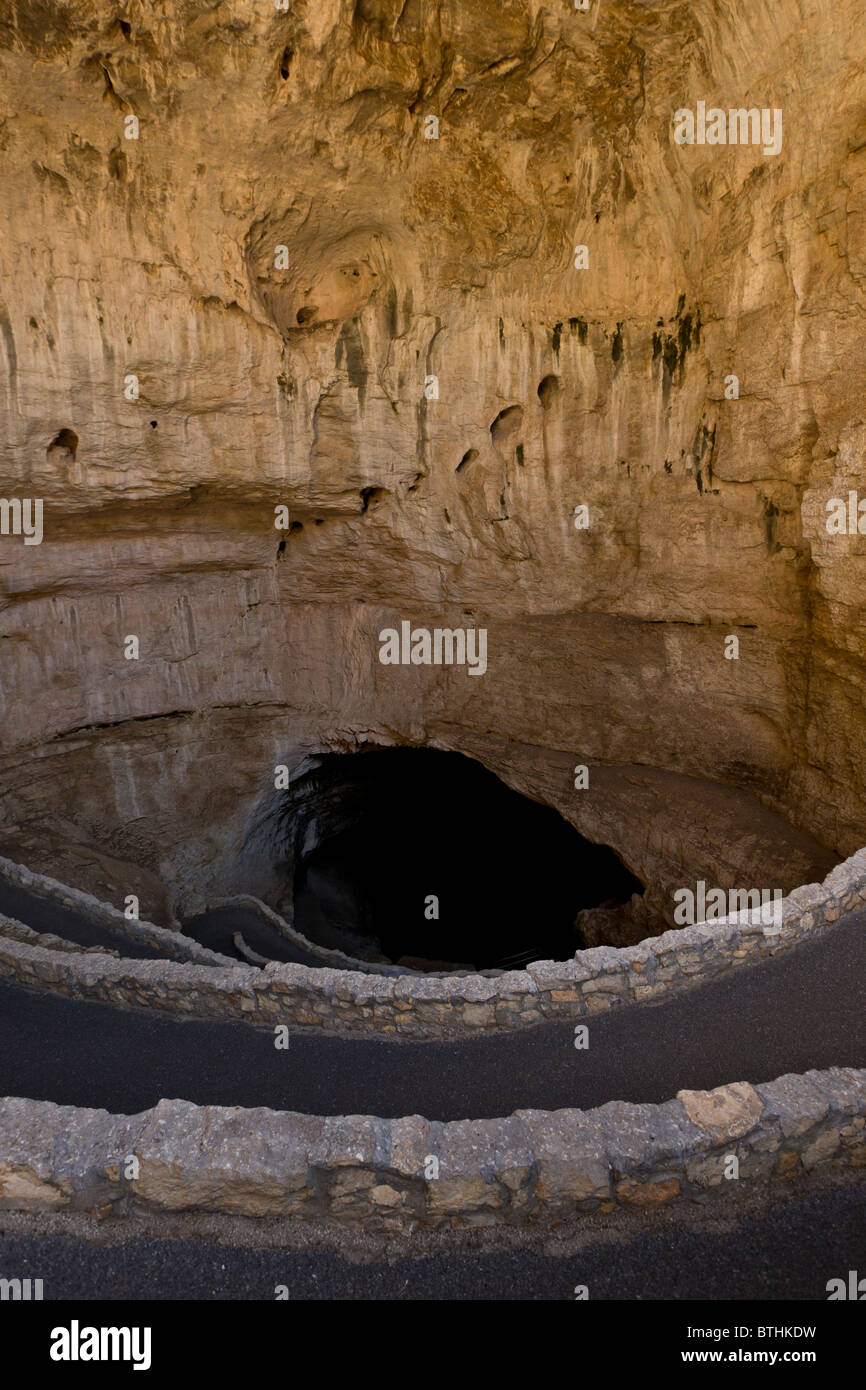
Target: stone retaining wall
point(172, 943)
point(333, 959)
point(18, 931)
point(533, 1167)
point(437, 1006)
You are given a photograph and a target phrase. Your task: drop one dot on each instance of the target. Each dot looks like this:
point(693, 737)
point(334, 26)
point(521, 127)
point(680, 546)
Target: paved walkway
point(802, 1010)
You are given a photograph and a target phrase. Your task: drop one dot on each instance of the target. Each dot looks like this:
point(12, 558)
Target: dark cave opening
point(426, 859)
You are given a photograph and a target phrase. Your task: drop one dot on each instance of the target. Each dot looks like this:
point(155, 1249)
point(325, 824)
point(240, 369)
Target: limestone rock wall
point(308, 384)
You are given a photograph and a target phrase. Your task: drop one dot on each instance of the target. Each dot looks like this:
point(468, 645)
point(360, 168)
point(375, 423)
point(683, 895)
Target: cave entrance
point(426, 859)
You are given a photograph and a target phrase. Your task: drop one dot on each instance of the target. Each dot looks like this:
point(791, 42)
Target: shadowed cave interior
point(385, 840)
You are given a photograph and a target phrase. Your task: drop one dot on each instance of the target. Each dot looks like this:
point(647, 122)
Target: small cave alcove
point(426, 859)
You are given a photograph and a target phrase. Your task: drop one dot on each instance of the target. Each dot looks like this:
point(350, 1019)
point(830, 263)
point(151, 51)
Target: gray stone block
point(795, 1103)
point(571, 1161)
point(845, 1089)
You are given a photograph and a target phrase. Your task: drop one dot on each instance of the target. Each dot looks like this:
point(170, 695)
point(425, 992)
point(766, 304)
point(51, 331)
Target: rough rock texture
point(426, 1006)
point(410, 258)
point(532, 1167)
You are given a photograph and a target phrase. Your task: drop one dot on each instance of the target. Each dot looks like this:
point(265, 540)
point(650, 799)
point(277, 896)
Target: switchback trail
point(212, 929)
point(801, 1010)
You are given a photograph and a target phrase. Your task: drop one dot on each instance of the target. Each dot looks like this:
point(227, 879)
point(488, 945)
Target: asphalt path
point(212, 929)
point(43, 915)
point(802, 1009)
point(787, 1253)
point(215, 930)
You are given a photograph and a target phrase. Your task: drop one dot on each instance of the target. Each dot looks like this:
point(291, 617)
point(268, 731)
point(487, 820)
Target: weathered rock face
point(303, 377)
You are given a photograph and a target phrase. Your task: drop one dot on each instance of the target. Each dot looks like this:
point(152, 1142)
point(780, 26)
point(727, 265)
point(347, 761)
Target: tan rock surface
point(409, 258)
point(728, 1112)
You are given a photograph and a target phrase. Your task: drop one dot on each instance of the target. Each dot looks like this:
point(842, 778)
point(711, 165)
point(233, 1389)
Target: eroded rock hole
point(117, 164)
point(426, 859)
point(506, 427)
point(370, 495)
point(66, 441)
